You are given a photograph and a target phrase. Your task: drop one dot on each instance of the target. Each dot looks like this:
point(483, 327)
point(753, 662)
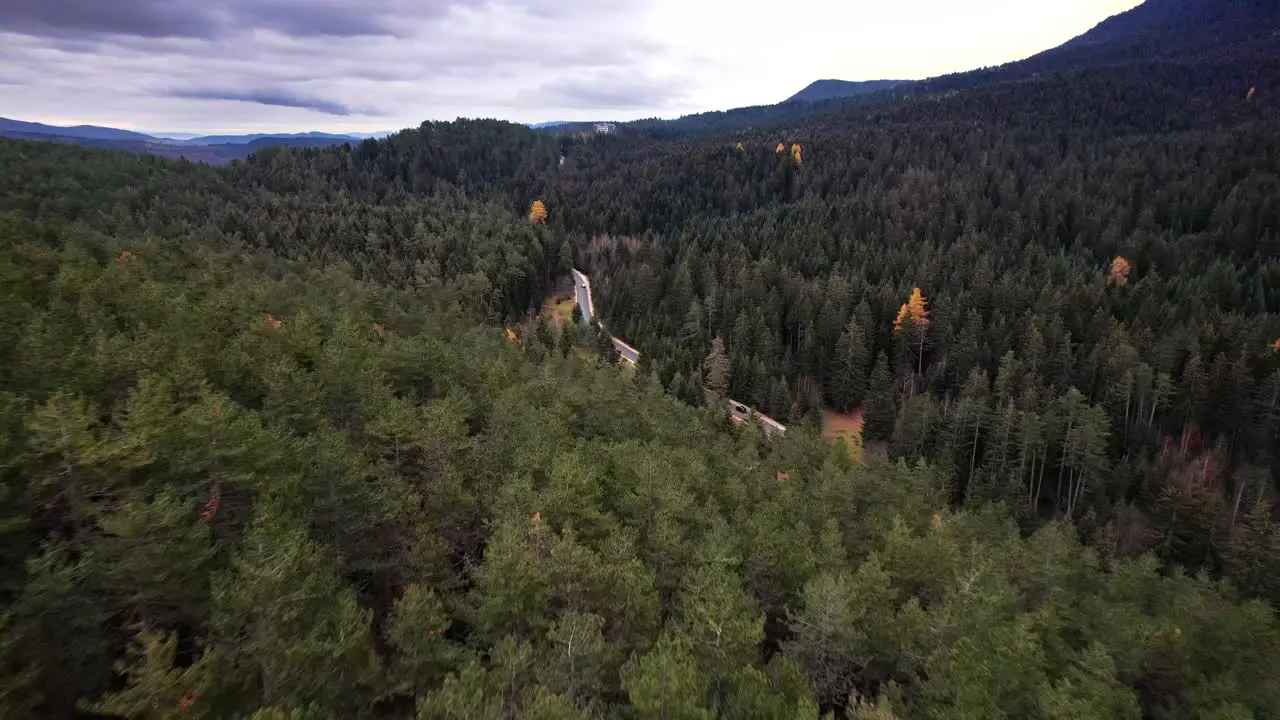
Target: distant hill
point(213, 149)
point(244, 139)
point(90, 132)
point(830, 89)
point(1237, 38)
point(309, 140)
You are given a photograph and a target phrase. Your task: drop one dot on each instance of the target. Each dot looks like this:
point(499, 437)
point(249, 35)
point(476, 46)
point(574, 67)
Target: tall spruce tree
point(880, 409)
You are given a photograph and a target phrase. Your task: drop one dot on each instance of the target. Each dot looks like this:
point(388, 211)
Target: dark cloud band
point(277, 98)
point(209, 18)
point(218, 64)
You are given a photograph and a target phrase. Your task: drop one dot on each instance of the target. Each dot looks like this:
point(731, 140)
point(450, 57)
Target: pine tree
point(568, 338)
point(581, 659)
point(880, 409)
point(545, 331)
point(913, 429)
point(966, 353)
point(156, 684)
point(1252, 555)
point(848, 380)
point(422, 654)
point(715, 368)
point(965, 424)
point(664, 683)
point(284, 619)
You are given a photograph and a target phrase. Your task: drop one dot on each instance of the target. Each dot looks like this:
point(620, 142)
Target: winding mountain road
point(582, 296)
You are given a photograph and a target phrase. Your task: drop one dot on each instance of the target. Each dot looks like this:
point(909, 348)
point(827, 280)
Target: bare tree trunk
point(973, 451)
point(1127, 398)
point(1062, 464)
point(1022, 467)
point(1044, 460)
point(1235, 509)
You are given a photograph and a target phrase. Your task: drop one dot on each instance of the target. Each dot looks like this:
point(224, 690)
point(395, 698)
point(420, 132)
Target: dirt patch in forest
point(844, 426)
point(560, 302)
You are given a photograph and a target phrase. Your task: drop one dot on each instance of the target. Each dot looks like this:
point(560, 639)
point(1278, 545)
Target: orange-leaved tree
point(1119, 273)
point(911, 324)
point(538, 213)
point(781, 148)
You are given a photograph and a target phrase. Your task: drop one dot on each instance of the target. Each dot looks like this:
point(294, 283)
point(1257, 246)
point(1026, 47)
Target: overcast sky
point(367, 65)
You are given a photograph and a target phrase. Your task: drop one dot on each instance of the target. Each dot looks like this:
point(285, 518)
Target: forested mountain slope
point(1095, 251)
point(266, 451)
point(1207, 44)
point(240, 484)
point(262, 487)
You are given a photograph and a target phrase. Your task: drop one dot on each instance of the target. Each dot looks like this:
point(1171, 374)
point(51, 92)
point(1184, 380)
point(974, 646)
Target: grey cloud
point(146, 18)
point(277, 98)
point(313, 19)
point(209, 18)
point(179, 64)
point(609, 90)
point(298, 18)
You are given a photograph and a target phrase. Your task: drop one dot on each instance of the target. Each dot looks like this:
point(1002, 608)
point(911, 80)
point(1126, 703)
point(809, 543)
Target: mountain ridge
point(828, 89)
point(1156, 30)
point(88, 132)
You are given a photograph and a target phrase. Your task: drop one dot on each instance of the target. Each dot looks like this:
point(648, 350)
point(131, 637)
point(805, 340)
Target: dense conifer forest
point(267, 451)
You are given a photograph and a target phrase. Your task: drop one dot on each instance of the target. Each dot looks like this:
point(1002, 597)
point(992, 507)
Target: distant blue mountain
point(244, 139)
point(214, 149)
point(88, 132)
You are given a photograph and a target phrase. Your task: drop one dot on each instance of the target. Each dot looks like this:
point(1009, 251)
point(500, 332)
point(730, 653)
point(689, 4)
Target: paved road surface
point(742, 413)
point(627, 352)
point(738, 411)
point(582, 292)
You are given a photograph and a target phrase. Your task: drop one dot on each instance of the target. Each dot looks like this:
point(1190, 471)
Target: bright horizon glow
point(610, 60)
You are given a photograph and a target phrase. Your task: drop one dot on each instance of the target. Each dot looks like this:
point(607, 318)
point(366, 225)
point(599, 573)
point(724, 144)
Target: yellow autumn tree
point(911, 324)
point(739, 148)
point(1119, 273)
point(913, 310)
point(538, 213)
point(795, 153)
